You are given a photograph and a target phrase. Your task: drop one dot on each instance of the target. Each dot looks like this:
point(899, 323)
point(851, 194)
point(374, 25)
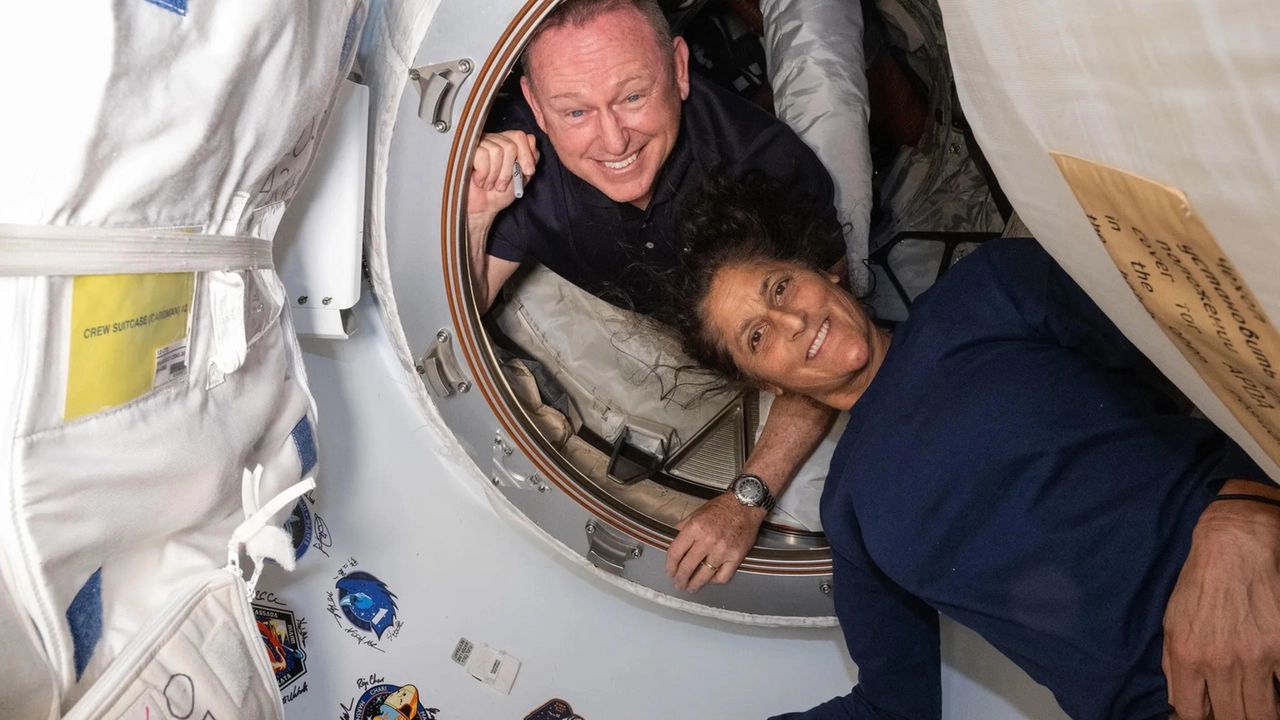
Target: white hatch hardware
point(320, 240)
point(437, 87)
point(609, 549)
point(440, 367)
point(505, 475)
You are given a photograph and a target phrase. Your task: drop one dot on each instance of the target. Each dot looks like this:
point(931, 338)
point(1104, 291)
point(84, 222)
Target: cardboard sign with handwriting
point(1189, 286)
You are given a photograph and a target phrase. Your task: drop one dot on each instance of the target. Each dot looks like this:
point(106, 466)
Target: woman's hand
point(713, 542)
point(1222, 623)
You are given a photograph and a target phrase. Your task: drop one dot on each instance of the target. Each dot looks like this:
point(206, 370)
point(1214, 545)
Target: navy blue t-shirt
point(1019, 466)
point(609, 248)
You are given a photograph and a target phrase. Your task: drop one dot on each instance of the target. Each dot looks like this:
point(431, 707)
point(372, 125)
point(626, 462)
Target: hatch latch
point(504, 474)
point(638, 453)
point(609, 549)
point(440, 368)
point(437, 87)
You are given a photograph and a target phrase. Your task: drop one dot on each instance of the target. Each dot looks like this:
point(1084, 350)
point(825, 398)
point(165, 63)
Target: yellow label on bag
point(128, 336)
point(1190, 288)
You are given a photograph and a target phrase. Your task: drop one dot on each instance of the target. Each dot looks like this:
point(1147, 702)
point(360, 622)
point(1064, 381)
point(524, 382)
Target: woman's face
point(792, 329)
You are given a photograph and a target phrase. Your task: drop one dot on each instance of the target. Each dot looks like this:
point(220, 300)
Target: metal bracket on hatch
point(439, 366)
point(637, 454)
point(504, 475)
point(437, 87)
point(608, 549)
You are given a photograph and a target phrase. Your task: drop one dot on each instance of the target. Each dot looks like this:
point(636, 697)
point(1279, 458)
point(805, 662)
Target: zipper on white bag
point(140, 651)
point(253, 535)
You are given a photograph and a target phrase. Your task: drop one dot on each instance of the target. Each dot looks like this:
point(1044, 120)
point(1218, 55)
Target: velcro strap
point(37, 250)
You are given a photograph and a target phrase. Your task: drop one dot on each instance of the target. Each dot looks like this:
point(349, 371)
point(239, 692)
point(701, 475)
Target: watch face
point(750, 491)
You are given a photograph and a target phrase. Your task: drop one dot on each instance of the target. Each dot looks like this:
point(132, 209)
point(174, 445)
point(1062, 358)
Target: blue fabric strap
point(85, 618)
point(305, 441)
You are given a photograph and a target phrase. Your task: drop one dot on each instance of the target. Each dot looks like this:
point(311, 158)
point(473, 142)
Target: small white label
point(462, 651)
point(493, 668)
point(171, 363)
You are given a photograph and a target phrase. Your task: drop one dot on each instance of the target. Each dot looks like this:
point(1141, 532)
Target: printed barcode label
point(462, 651)
point(171, 363)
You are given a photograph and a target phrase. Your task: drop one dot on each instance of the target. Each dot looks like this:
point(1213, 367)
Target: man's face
point(608, 96)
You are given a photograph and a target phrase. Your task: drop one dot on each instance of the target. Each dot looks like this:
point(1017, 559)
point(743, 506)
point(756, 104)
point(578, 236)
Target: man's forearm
point(793, 430)
point(478, 257)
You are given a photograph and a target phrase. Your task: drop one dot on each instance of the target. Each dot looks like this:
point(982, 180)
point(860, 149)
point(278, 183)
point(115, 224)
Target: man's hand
point(713, 542)
point(491, 192)
point(491, 188)
point(1222, 624)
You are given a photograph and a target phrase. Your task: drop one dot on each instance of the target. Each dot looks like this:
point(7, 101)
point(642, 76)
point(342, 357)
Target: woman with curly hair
point(1011, 460)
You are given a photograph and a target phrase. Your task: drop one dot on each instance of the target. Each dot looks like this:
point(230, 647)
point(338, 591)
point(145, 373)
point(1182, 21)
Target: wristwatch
point(751, 491)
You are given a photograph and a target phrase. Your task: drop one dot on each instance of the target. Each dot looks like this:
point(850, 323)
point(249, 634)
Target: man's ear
point(681, 60)
point(527, 88)
point(771, 389)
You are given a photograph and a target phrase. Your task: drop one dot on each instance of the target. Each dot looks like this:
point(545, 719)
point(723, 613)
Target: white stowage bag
point(132, 404)
point(613, 365)
point(818, 74)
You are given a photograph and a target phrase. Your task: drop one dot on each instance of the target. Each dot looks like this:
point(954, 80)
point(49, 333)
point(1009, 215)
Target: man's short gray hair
point(581, 12)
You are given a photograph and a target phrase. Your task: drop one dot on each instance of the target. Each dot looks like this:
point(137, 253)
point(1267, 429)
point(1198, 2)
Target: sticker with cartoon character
point(381, 700)
point(554, 709)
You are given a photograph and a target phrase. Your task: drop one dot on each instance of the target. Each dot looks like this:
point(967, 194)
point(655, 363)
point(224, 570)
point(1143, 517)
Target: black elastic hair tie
point(1245, 496)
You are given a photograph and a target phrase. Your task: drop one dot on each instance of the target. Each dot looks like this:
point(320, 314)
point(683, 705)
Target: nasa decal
point(307, 529)
point(554, 709)
point(381, 700)
point(284, 636)
point(363, 606)
point(300, 528)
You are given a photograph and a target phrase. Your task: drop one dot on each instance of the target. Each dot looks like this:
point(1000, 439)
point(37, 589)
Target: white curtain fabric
point(1183, 92)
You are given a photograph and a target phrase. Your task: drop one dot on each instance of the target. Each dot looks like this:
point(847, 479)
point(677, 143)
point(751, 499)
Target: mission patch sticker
point(282, 637)
point(383, 701)
point(554, 709)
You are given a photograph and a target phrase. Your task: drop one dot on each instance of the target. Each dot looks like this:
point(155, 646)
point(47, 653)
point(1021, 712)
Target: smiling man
point(613, 135)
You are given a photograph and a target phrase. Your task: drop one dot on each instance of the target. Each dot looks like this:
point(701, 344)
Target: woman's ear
point(834, 278)
point(771, 389)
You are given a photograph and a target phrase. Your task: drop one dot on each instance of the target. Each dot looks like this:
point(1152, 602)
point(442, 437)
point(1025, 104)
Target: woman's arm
point(893, 638)
point(1222, 623)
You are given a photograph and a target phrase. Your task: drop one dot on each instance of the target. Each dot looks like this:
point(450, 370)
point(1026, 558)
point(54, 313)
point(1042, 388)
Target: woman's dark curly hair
point(732, 221)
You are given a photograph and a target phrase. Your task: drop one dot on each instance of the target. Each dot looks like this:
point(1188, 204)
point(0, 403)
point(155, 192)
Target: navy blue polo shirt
point(1019, 466)
point(598, 244)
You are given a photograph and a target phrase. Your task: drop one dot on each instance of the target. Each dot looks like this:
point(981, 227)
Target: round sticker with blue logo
point(366, 602)
point(299, 528)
